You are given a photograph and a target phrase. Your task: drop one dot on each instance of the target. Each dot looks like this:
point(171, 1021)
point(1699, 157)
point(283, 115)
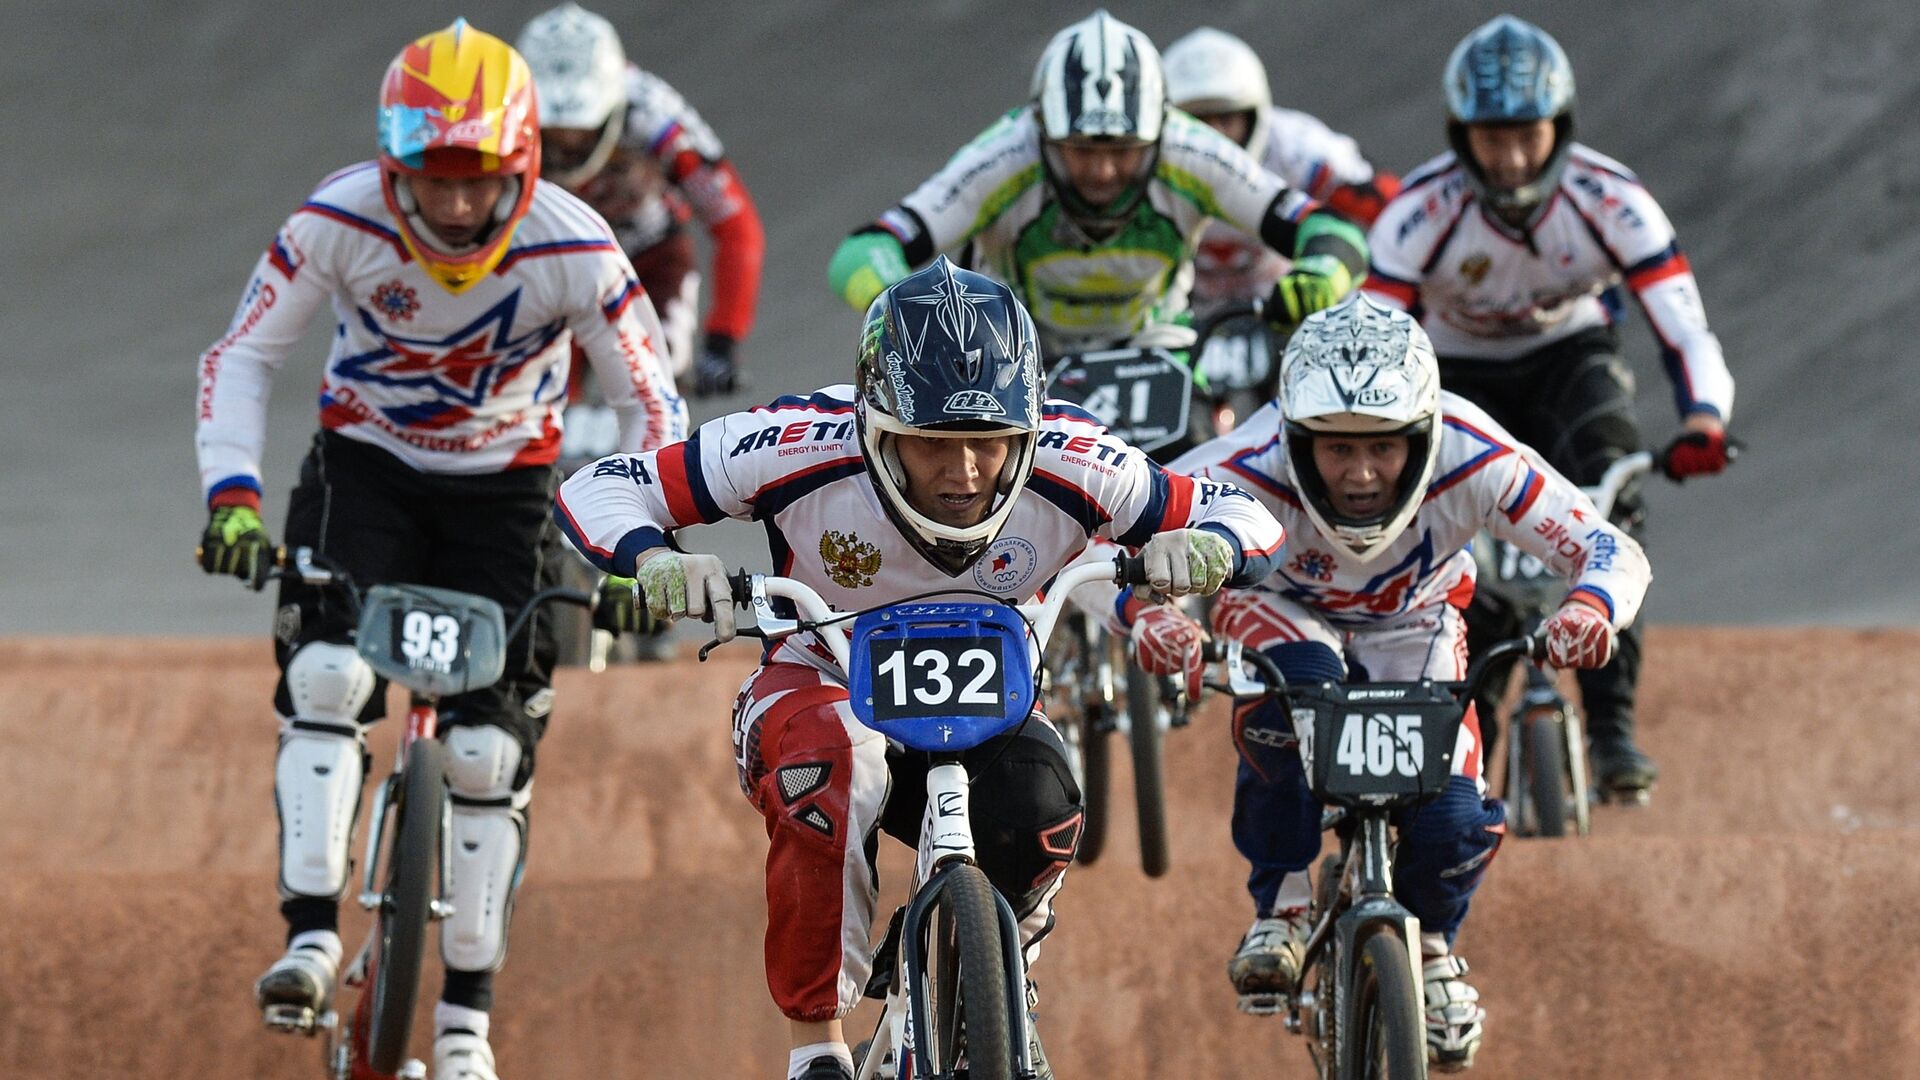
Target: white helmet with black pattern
point(580, 79)
point(1361, 368)
point(1099, 82)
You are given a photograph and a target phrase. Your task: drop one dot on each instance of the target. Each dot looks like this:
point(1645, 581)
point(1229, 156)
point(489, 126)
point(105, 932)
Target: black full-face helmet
point(947, 353)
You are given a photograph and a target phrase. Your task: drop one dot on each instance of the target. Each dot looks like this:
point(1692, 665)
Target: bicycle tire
point(412, 865)
point(1147, 739)
point(1096, 783)
point(1382, 1035)
point(966, 981)
point(1547, 772)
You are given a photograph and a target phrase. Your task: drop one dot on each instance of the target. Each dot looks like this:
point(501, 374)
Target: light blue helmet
point(1509, 71)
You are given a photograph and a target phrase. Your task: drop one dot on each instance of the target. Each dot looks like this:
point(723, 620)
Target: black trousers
point(1573, 402)
point(383, 521)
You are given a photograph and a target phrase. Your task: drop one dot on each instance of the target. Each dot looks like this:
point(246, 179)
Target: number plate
point(1238, 356)
point(432, 641)
point(940, 676)
point(1378, 744)
point(1141, 395)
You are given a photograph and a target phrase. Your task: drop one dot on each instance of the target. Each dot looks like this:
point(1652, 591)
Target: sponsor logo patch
point(1006, 565)
point(850, 561)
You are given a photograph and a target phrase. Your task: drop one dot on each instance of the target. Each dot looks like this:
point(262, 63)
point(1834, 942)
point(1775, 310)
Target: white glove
point(1578, 636)
point(679, 585)
point(1186, 561)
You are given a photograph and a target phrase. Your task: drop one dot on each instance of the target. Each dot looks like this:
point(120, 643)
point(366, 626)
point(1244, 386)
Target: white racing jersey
point(994, 194)
point(795, 467)
point(1482, 479)
point(452, 384)
point(1231, 264)
point(1484, 291)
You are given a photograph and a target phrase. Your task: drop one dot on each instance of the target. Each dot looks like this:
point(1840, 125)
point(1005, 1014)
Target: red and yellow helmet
point(458, 103)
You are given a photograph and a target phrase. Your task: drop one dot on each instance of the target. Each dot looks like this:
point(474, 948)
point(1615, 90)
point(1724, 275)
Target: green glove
point(864, 265)
point(620, 610)
point(1316, 282)
point(234, 543)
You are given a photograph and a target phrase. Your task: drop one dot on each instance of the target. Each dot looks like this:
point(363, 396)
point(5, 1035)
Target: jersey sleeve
point(621, 338)
point(1546, 516)
point(1641, 241)
point(970, 190)
point(692, 158)
point(289, 283)
point(1121, 494)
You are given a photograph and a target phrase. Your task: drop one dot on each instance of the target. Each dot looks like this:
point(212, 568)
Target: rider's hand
point(1579, 635)
point(619, 610)
point(1700, 450)
point(234, 543)
point(1167, 641)
point(1314, 283)
point(1187, 561)
point(864, 265)
point(713, 370)
point(679, 585)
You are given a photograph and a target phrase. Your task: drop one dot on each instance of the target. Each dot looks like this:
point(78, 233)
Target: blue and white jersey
point(795, 467)
point(1482, 479)
point(449, 383)
point(1484, 291)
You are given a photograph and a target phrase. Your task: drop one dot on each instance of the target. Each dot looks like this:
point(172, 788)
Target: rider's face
point(1511, 155)
point(1234, 125)
point(1361, 471)
point(563, 150)
point(457, 208)
point(953, 481)
point(1100, 171)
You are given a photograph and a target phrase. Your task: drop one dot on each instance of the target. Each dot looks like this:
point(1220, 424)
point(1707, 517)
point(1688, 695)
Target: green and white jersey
point(1084, 293)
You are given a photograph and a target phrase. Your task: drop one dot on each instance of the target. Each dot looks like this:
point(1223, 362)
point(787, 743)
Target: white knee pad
point(328, 682)
point(316, 786)
point(489, 845)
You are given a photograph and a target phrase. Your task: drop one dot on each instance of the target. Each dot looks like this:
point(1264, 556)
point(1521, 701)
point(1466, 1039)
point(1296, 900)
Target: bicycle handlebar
point(1273, 682)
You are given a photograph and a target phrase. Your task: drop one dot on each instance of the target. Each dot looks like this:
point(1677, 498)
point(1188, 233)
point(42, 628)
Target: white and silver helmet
point(1099, 82)
point(1210, 72)
point(1361, 368)
point(580, 79)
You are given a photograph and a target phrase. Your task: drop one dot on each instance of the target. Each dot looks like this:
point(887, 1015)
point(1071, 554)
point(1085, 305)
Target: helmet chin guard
point(1360, 369)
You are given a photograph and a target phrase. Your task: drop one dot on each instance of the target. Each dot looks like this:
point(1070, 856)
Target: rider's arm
point(289, 283)
point(1546, 516)
point(964, 197)
point(1640, 241)
point(1133, 498)
point(691, 156)
point(620, 334)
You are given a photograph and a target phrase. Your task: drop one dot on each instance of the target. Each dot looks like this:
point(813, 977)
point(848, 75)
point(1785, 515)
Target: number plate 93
point(940, 676)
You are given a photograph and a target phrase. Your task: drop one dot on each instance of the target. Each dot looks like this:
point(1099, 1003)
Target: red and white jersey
point(1311, 157)
point(795, 467)
point(1482, 479)
point(1483, 290)
point(455, 384)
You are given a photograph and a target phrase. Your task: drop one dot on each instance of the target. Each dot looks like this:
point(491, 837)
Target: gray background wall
point(152, 150)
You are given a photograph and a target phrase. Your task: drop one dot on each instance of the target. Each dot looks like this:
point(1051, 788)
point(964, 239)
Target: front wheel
point(966, 981)
point(412, 869)
point(1148, 736)
point(1547, 771)
point(1381, 1036)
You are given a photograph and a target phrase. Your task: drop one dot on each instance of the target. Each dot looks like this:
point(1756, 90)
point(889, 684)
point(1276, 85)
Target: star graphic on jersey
point(1387, 593)
point(466, 366)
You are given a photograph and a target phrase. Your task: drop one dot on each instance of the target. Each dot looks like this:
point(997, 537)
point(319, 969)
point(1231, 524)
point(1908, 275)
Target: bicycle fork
point(946, 843)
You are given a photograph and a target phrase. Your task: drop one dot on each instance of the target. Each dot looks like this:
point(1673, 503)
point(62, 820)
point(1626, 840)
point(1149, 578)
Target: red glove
point(1696, 453)
point(1579, 635)
point(1167, 642)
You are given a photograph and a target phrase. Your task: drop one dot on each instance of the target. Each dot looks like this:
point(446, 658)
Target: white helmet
point(1210, 72)
point(580, 78)
point(1100, 79)
point(1361, 368)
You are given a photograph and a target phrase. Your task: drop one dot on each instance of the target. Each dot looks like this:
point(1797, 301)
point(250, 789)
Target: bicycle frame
point(946, 831)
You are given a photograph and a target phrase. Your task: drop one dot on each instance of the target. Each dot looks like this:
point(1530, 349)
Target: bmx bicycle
point(435, 642)
point(941, 677)
point(1368, 749)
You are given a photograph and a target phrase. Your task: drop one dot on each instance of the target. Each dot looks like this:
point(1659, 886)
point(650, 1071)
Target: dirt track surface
point(1755, 921)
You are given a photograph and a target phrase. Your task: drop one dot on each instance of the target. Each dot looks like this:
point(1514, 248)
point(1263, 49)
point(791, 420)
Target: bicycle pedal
point(1627, 797)
point(1263, 1004)
point(291, 1019)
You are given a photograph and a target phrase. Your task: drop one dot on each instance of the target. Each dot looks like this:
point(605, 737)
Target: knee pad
point(490, 796)
point(328, 682)
point(1262, 730)
point(1027, 814)
point(316, 788)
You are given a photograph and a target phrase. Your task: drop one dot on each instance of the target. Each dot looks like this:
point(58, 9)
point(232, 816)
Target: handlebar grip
point(1132, 570)
point(741, 582)
point(266, 570)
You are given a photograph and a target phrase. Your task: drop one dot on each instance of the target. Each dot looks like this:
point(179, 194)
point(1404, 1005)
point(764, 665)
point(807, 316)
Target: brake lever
point(743, 631)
